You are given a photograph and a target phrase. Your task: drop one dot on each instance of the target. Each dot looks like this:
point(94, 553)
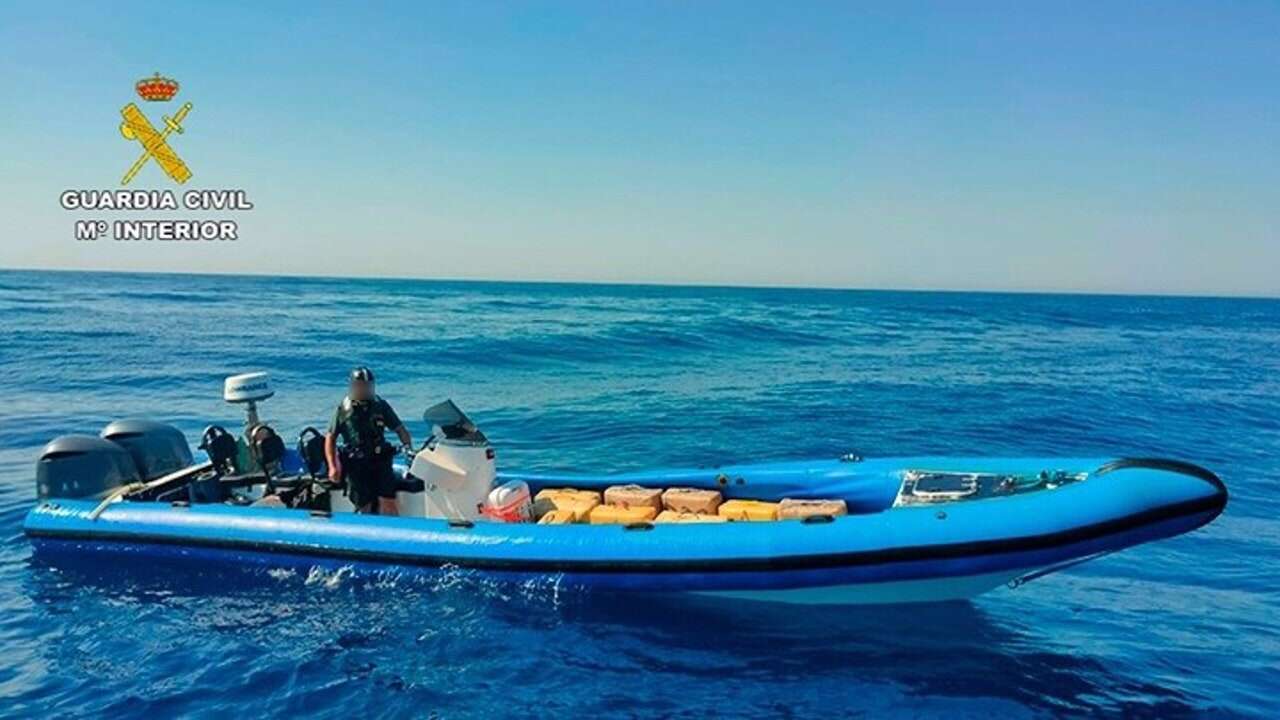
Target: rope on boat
point(115, 495)
point(120, 492)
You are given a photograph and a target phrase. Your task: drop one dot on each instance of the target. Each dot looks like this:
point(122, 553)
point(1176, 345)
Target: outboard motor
point(456, 467)
point(83, 466)
point(157, 449)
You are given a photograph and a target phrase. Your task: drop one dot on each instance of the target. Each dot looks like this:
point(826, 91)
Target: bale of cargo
point(673, 516)
point(692, 500)
point(579, 502)
point(558, 517)
point(619, 515)
point(793, 509)
point(634, 496)
point(750, 510)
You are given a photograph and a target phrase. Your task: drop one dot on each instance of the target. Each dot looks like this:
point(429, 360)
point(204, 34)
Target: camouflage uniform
point(366, 455)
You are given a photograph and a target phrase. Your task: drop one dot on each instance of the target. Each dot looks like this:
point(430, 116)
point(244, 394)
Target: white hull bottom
point(887, 593)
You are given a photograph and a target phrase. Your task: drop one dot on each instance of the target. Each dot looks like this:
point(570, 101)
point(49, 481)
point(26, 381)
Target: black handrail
point(1177, 466)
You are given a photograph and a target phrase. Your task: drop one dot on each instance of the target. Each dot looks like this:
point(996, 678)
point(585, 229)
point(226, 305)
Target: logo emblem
point(155, 143)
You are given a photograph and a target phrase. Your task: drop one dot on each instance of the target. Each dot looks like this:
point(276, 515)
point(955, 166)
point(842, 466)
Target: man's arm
point(331, 446)
point(393, 420)
point(402, 432)
point(331, 456)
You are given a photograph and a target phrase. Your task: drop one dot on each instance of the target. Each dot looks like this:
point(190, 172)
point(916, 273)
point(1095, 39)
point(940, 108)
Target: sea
point(618, 377)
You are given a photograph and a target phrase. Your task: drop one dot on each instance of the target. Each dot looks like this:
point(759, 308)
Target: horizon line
point(657, 284)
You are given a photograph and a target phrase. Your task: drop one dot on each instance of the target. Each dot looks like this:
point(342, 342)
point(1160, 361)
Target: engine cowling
point(456, 467)
point(157, 449)
point(456, 477)
point(83, 466)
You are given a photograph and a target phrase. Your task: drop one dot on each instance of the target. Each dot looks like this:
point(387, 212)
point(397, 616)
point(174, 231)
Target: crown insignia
point(157, 88)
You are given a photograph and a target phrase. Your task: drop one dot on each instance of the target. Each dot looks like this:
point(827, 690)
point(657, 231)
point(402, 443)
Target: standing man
point(365, 458)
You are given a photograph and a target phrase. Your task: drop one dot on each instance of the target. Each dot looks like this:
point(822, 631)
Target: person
point(365, 459)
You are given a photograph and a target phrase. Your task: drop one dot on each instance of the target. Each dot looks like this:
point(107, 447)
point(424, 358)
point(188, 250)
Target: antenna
point(248, 389)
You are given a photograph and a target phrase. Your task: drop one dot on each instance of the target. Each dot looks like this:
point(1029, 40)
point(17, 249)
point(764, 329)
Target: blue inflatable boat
point(911, 528)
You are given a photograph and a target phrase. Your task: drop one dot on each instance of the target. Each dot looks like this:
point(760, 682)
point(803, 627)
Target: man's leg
point(387, 483)
point(361, 487)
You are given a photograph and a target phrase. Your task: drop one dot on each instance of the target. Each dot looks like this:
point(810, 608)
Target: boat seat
point(220, 446)
point(311, 450)
point(266, 448)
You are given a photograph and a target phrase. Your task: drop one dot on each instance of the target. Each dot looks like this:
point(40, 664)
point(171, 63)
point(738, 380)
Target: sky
point(1091, 146)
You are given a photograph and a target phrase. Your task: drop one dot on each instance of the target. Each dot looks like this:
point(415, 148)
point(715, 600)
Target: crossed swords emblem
point(155, 143)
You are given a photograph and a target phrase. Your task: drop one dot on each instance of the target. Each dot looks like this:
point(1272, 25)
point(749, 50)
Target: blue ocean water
point(621, 377)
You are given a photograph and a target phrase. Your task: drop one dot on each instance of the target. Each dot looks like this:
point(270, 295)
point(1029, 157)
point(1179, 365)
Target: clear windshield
point(453, 424)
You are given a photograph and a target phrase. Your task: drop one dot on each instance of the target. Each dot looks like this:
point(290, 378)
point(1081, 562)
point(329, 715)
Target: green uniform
point(366, 455)
point(362, 424)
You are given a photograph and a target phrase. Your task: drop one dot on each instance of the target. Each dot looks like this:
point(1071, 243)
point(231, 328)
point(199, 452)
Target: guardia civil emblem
point(155, 144)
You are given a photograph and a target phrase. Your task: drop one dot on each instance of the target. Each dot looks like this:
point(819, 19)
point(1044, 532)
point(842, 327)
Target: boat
point(910, 529)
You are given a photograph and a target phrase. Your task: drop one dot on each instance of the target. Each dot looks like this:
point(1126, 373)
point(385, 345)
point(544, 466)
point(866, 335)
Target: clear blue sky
point(1074, 146)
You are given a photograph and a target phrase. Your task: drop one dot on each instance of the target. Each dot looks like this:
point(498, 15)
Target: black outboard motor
point(83, 466)
point(157, 449)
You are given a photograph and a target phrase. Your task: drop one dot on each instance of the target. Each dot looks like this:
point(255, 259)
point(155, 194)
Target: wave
point(617, 378)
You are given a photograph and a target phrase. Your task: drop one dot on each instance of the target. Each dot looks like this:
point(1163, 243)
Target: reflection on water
point(410, 631)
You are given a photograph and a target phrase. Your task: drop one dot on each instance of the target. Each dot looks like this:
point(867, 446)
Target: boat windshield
point(453, 423)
